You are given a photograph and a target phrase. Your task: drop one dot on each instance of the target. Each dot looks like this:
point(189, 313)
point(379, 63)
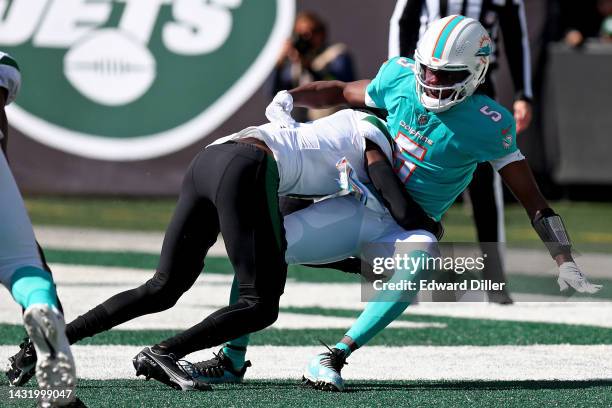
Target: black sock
point(89, 324)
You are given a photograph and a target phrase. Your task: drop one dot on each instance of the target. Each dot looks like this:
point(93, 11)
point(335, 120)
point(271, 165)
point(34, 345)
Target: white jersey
point(307, 154)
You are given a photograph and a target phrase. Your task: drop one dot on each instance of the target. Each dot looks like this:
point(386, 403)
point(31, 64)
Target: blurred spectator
point(605, 9)
point(308, 57)
point(579, 21)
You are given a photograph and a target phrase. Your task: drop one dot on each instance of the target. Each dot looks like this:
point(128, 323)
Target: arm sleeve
point(516, 43)
point(404, 210)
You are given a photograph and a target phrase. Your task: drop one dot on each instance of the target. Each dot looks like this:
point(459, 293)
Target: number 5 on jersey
point(494, 115)
point(405, 156)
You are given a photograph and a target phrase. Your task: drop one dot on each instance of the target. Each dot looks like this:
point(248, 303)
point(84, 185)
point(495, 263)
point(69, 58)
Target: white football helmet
point(461, 47)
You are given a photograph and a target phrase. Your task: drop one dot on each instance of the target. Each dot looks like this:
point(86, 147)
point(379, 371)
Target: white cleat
point(55, 365)
point(323, 371)
point(570, 275)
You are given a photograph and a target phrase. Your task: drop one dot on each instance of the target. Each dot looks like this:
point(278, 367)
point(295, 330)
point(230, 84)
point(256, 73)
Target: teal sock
point(387, 305)
point(343, 347)
point(236, 356)
point(239, 343)
point(31, 286)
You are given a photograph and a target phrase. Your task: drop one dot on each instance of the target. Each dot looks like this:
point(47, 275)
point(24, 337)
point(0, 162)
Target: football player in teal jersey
point(441, 129)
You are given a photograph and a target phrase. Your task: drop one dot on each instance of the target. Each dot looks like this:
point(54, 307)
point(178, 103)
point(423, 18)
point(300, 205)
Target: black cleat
point(22, 365)
point(220, 370)
point(166, 368)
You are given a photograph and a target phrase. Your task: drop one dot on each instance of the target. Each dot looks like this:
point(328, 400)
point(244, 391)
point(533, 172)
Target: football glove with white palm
point(570, 275)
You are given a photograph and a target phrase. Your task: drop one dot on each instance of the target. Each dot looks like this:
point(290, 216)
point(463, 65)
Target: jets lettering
point(198, 27)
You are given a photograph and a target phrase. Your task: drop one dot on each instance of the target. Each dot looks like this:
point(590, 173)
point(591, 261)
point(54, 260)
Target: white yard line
point(83, 287)
point(540, 362)
point(107, 240)
point(519, 261)
point(98, 240)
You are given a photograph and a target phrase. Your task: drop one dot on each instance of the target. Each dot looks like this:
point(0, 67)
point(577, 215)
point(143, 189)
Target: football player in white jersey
point(232, 187)
point(22, 271)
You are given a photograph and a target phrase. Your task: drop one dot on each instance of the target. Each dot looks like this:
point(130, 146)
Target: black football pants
point(230, 188)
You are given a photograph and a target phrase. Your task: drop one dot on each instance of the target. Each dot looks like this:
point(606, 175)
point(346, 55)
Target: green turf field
point(526, 355)
point(486, 394)
point(457, 332)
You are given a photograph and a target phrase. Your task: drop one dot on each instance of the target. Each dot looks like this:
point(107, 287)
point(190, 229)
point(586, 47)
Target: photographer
point(307, 57)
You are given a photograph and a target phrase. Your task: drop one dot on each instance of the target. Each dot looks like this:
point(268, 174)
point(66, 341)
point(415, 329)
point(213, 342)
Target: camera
point(301, 43)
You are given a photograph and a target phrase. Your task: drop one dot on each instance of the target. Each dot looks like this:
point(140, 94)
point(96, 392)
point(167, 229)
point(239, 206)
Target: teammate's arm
point(404, 210)
point(549, 225)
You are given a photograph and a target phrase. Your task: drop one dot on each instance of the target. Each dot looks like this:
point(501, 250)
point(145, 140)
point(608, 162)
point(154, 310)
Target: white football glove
point(279, 110)
point(570, 275)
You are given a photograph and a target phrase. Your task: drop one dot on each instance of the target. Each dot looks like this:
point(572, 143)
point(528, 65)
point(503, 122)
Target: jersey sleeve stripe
point(369, 101)
point(498, 164)
point(380, 126)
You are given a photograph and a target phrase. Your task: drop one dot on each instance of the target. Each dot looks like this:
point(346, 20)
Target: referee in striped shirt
point(409, 21)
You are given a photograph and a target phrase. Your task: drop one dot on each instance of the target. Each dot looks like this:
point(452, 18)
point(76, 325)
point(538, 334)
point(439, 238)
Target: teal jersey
point(435, 154)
